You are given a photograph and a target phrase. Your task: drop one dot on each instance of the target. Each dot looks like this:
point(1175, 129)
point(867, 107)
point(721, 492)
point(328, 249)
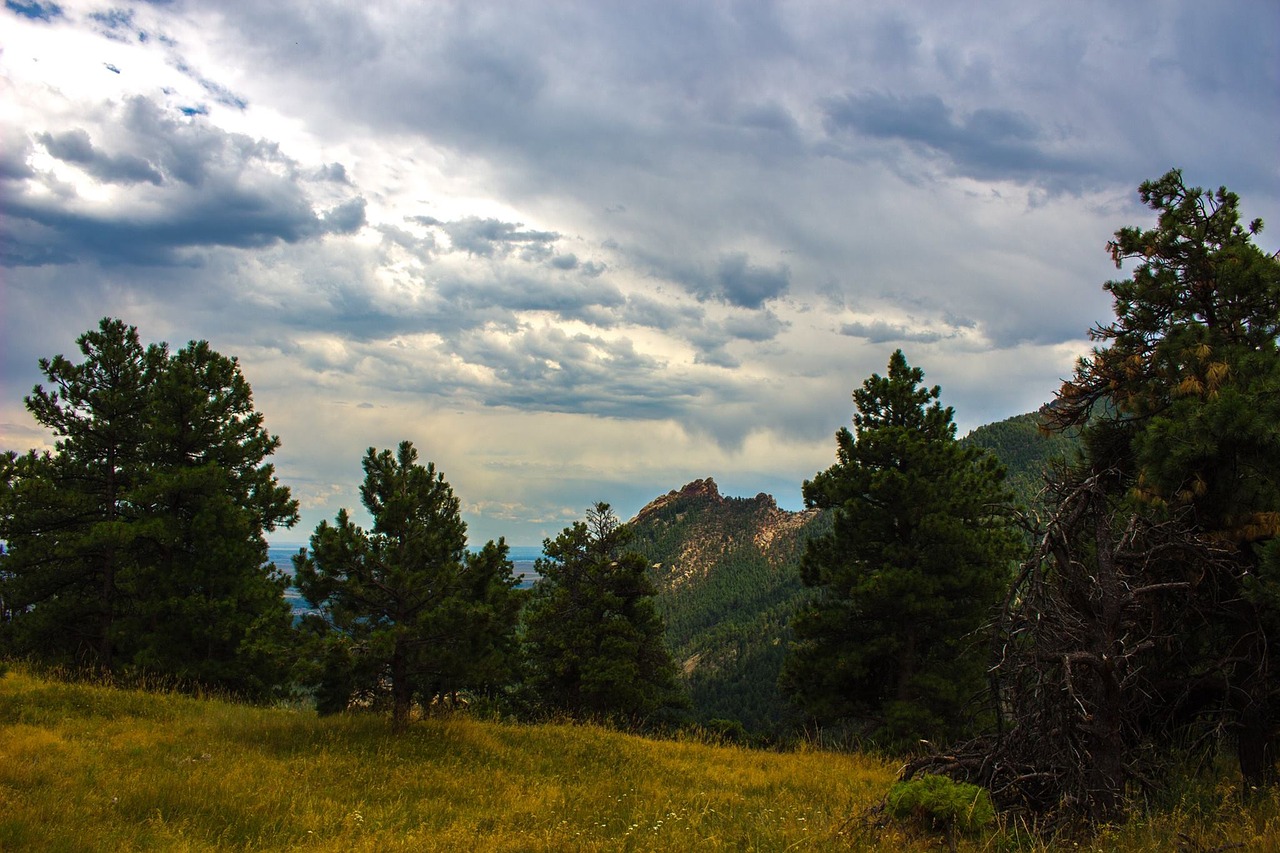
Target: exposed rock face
point(699, 489)
point(695, 527)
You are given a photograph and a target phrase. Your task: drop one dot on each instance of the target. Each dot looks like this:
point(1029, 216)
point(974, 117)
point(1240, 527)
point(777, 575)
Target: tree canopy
point(139, 542)
point(404, 604)
point(1146, 619)
point(593, 640)
point(916, 560)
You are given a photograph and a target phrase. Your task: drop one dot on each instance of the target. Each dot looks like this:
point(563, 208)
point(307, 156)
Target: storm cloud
point(585, 251)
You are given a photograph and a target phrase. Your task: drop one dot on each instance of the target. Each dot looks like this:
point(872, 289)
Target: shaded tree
point(403, 609)
point(1147, 616)
point(1191, 371)
point(139, 541)
point(67, 518)
point(593, 641)
point(917, 556)
point(210, 605)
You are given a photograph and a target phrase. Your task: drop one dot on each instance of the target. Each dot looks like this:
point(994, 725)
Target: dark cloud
point(490, 238)
point(740, 283)
point(566, 300)
point(712, 339)
point(641, 310)
point(987, 142)
point(346, 218)
point(717, 356)
point(333, 172)
point(881, 332)
point(550, 370)
point(423, 248)
point(758, 326)
point(186, 186)
point(229, 216)
point(34, 9)
point(74, 146)
point(15, 151)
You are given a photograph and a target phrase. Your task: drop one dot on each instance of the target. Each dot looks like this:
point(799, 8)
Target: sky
point(591, 251)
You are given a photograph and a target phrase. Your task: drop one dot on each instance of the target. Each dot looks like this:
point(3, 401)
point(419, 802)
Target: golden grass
point(95, 768)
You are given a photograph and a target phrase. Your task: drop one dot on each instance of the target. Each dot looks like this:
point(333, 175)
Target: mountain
point(728, 579)
point(728, 576)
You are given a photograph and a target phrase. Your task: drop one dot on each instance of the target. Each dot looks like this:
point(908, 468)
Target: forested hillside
point(728, 578)
point(1024, 449)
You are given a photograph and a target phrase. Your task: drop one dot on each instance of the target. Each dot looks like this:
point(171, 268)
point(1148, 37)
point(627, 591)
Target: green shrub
point(939, 803)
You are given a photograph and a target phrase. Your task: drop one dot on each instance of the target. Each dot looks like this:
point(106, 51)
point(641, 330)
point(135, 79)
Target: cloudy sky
point(582, 251)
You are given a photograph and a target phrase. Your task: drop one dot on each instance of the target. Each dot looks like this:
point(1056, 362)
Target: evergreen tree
point(1145, 621)
point(68, 520)
point(139, 542)
point(594, 642)
point(916, 559)
point(403, 604)
point(210, 606)
point(1180, 408)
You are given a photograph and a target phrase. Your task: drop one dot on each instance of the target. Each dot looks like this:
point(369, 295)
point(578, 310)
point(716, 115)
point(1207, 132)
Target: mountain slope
point(1024, 450)
point(727, 572)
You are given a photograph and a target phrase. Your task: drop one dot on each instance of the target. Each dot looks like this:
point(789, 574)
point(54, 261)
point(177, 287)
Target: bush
point(942, 804)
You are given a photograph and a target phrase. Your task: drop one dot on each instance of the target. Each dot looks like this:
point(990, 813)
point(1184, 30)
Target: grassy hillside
point(94, 768)
point(91, 768)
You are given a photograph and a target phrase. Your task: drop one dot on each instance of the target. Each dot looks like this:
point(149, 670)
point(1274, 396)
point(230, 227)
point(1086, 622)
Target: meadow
point(87, 768)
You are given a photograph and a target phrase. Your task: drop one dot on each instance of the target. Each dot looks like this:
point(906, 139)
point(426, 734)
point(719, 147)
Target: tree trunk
point(1256, 751)
point(401, 692)
point(106, 604)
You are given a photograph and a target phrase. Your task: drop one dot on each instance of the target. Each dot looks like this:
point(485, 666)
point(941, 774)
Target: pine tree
point(1145, 621)
point(210, 605)
point(1180, 409)
point(594, 642)
point(916, 559)
point(139, 542)
point(68, 521)
point(403, 604)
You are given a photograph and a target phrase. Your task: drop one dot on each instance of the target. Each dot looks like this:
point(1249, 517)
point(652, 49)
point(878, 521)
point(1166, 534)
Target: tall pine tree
point(1180, 409)
point(139, 542)
point(68, 519)
point(403, 605)
point(916, 559)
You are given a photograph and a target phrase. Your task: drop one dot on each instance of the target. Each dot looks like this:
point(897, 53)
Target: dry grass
point(95, 768)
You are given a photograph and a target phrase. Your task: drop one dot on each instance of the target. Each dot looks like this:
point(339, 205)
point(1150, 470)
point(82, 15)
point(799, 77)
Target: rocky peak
point(699, 490)
point(689, 530)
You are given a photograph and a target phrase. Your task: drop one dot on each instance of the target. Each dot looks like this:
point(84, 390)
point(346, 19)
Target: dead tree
point(1121, 634)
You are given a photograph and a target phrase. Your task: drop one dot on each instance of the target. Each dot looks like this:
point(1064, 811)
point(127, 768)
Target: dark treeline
point(1065, 633)
point(137, 548)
